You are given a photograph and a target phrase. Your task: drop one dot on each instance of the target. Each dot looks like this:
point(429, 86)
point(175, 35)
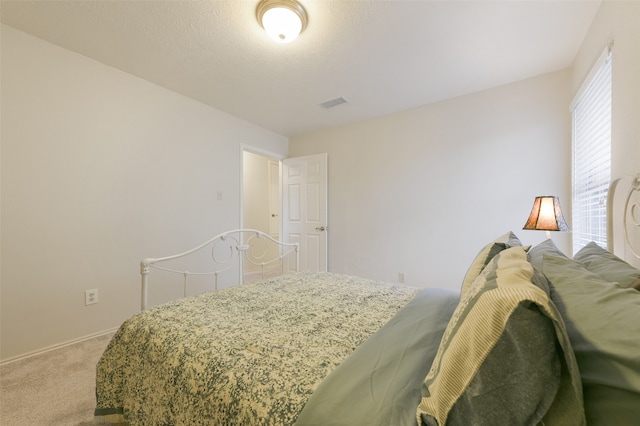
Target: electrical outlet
point(91, 297)
point(400, 277)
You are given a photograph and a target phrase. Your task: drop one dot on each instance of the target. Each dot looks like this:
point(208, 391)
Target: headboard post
point(610, 228)
point(144, 273)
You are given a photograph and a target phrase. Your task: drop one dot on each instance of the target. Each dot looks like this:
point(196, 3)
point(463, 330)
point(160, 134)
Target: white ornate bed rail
point(625, 237)
point(228, 250)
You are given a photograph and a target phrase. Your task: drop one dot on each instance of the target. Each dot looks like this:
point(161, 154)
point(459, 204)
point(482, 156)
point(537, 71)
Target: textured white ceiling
point(381, 56)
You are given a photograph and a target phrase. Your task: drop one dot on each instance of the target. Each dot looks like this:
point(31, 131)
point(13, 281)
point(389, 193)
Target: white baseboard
point(56, 346)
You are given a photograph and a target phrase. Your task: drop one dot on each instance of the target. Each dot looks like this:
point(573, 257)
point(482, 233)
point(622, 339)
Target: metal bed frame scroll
point(630, 211)
point(248, 245)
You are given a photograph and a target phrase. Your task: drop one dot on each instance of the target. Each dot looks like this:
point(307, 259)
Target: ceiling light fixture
point(283, 20)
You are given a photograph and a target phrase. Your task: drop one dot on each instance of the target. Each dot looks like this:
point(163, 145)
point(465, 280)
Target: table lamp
point(546, 215)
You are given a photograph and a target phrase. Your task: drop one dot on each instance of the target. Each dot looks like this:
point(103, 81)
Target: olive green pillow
point(486, 254)
point(607, 265)
point(505, 346)
point(603, 322)
point(546, 247)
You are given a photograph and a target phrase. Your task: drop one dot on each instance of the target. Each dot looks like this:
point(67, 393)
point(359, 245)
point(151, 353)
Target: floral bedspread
point(248, 355)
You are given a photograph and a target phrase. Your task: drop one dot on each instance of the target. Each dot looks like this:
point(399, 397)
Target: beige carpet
point(56, 388)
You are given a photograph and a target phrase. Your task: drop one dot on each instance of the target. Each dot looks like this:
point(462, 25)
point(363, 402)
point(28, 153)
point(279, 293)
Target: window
point(591, 155)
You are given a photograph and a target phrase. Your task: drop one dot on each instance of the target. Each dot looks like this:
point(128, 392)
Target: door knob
point(320, 228)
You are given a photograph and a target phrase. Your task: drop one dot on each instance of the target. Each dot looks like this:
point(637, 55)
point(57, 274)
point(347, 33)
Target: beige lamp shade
point(546, 215)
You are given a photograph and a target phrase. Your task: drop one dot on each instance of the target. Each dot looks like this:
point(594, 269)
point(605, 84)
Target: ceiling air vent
point(333, 102)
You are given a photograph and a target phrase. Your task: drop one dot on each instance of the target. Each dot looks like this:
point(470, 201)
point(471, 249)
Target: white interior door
point(304, 212)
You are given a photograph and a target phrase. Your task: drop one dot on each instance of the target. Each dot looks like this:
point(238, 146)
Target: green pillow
point(606, 406)
point(505, 346)
point(607, 265)
point(546, 247)
point(603, 322)
point(486, 254)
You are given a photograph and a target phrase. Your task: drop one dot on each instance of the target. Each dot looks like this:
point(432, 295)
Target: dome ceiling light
point(283, 20)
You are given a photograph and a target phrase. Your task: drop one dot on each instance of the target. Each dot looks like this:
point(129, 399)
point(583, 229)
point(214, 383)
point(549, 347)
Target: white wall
point(618, 21)
point(407, 191)
point(101, 169)
point(421, 191)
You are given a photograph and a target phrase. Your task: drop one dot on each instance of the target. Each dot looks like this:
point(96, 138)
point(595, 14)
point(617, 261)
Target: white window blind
point(591, 170)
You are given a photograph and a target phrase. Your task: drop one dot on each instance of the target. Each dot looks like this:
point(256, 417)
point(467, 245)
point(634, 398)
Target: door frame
point(280, 158)
point(264, 153)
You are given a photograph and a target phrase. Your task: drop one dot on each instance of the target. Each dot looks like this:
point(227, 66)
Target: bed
point(531, 337)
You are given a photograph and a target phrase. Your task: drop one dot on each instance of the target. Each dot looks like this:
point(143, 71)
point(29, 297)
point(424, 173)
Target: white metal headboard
point(228, 250)
point(626, 207)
